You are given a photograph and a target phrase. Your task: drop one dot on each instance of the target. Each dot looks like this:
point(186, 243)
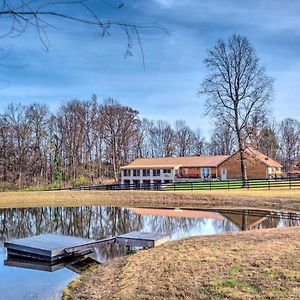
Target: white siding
point(162, 177)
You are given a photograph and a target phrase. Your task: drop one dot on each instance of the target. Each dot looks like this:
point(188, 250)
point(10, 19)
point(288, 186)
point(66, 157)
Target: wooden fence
point(290, 183)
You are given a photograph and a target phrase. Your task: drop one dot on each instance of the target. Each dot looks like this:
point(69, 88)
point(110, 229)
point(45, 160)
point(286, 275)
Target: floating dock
point(54, 248)
point(46, 247)
point(142, 239)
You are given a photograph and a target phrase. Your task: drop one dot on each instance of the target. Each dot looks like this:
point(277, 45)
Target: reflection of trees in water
point(107, 252)
point(279, 221)
point(223, 226)
point(269, 223)
point(88, 222)
point(169, 225)
point(99, 222)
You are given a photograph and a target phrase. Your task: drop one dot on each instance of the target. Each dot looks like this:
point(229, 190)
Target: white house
point(170, 169)
point(195, 168)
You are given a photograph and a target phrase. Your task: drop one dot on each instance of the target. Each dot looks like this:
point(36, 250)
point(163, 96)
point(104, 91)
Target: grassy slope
point(250, 265)
point(278, 199)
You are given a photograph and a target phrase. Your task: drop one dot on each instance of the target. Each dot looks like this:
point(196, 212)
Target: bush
point(80, 181)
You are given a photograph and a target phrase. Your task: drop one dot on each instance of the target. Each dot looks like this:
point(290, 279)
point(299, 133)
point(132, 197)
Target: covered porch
point(204, 173)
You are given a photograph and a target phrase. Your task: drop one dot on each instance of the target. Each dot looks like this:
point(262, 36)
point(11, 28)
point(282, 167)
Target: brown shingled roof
point(172, 162)
point(263, 158)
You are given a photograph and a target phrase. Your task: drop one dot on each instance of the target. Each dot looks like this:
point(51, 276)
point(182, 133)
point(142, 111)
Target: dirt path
point(261, 264)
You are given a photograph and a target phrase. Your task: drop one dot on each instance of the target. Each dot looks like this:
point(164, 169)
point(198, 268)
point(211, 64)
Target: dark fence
point(291, 183)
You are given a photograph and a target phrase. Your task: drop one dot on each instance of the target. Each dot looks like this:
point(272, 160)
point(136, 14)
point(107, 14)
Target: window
point(185, 171)
point(127, 183)
point(126, 173)
point(167, 171)
point(156, 172)
point(146, 172)
point(205, 172)
point(136, 173)
point(136, 184)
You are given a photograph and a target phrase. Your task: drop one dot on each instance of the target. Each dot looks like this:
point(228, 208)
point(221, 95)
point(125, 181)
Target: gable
point(254, 156)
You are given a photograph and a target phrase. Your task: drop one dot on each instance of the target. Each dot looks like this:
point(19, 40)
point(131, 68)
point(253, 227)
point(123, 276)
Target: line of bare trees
point(85, 142)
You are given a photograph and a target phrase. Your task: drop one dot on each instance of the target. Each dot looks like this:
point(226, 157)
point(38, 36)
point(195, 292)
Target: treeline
point(85, 142)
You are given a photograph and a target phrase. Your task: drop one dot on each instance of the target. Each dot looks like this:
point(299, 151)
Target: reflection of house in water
point(244, 220)
point(179, 213)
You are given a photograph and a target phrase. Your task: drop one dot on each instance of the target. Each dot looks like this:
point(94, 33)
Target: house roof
point(260, 156)
point(263, 158)
point(195, 161)
point(173, 162)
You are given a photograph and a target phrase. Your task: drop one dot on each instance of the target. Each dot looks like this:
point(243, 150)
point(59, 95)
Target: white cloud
point(170, 3)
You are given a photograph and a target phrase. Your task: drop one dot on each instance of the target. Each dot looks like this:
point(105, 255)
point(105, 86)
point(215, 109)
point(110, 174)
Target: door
point(223, 174)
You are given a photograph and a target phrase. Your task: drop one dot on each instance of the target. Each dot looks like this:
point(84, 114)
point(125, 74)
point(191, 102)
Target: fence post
point(228, 184)
point(191, 186)
point(269, 184)
point(290, 182)
point(210, 185)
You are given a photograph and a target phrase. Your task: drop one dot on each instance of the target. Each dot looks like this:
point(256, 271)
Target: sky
point(81, 62)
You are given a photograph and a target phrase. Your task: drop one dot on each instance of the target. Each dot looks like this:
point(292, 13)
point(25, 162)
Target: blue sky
point(80, 62)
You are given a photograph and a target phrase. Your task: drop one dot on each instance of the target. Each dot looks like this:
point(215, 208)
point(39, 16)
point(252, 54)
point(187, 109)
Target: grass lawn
point(234, 184)
point(259, 264)
point(254, 198)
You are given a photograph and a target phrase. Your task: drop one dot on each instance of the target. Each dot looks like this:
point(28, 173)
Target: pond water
point(20, 280)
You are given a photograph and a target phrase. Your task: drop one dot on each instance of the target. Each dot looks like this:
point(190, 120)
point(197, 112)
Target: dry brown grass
point(260, 264)
point(279, 199)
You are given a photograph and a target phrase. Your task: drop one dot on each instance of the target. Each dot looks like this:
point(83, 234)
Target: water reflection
point(77, 265)
point(102, 222)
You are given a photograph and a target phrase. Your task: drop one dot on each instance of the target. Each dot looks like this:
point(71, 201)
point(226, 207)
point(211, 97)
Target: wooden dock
point(53, 248)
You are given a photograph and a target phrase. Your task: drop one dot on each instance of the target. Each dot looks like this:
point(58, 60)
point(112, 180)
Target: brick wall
point(255, 168)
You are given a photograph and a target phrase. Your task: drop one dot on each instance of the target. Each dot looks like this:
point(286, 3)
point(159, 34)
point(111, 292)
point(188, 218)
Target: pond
point(22, 280)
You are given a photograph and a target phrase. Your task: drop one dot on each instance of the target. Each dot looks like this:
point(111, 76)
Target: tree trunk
point(243, 165)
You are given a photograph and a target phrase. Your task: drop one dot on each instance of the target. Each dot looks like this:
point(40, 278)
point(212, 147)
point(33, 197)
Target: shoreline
point(202, 267)
point(131, 277)
point(257, 199)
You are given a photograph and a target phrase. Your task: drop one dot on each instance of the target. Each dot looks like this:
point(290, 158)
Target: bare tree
point(120, 125)
point(268, 142)
point(162, 139)
point(199, 145)
point(19, 15)
point(184, 138)
point(237, 87)
point(289, 142)
point(222, 141)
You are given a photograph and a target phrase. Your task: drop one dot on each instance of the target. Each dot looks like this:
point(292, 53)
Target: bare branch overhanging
point(40, 15)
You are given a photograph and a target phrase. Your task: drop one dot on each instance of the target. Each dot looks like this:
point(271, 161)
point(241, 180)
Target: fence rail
point(291, 183)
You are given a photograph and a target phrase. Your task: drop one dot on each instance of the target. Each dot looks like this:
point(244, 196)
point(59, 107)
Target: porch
point(197, 173)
